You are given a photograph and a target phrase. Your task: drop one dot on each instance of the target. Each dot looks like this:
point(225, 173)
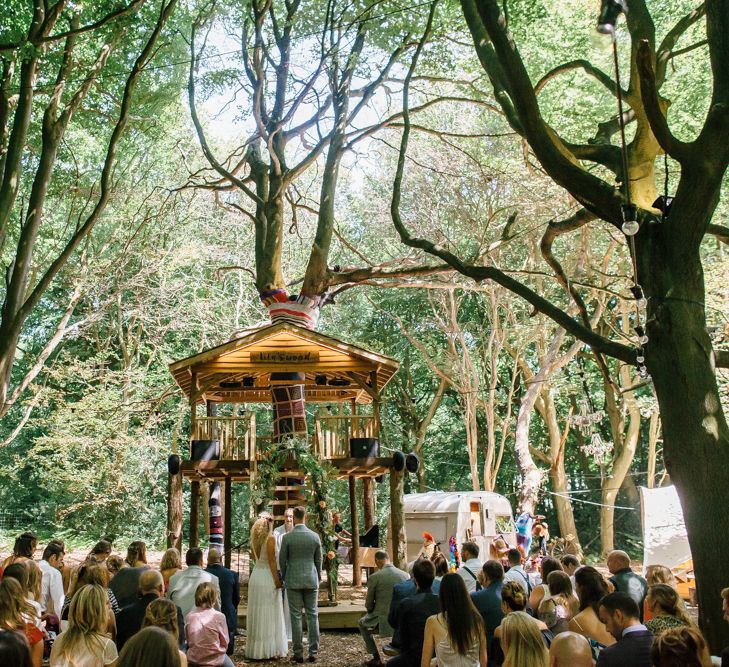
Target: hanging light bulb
point(630, 225)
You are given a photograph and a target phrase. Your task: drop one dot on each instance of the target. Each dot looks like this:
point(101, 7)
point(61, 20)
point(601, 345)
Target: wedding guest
point(455, 635)
point(591, 588)
point(151, 647)
point(625, 580)
point(206, 631)
point(666, 609)
point(522, 642)
point(165, 614)
point(85, 643)
point(621, 615)
point(680, 647)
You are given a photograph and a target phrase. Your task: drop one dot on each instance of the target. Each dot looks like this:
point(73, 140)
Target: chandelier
point(585, 420)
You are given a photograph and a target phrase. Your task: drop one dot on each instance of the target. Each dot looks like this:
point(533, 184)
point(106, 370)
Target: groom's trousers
point(303, 598)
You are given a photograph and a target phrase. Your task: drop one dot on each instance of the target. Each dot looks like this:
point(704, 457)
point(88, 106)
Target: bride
point(265, 621)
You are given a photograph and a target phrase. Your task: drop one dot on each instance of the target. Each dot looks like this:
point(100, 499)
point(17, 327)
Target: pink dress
point(207, 637)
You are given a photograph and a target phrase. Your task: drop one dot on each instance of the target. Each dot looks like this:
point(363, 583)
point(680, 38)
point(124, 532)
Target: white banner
point(664, 532)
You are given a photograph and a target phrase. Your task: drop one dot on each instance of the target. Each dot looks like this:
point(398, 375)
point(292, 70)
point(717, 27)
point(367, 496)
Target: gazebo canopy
point(239, 371)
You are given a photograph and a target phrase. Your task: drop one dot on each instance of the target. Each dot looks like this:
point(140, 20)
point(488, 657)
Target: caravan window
point(475, 525)
point(504, 524)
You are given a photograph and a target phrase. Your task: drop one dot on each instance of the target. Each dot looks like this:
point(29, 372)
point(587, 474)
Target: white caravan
point(476, 516)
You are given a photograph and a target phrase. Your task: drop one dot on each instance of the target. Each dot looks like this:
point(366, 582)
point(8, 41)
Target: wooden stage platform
point(342, 617)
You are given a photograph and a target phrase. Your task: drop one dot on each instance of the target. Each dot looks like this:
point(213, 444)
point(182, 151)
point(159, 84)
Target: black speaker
point(398, 461)
point(379, 479)
point(205, 450)
point(364, 448)
point(288, 377)
point(173, 464)
point(412, 462)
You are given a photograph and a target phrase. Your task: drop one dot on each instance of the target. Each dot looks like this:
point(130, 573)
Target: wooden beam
point(194, 514)
point(356, 570)
point(227, 520)
point(193, 404)
point(362, 384)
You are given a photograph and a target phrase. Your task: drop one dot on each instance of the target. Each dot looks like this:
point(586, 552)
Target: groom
point(300, 564)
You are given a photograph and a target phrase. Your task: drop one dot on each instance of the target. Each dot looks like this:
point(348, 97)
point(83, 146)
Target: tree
point(666, 251)
point(48, 79)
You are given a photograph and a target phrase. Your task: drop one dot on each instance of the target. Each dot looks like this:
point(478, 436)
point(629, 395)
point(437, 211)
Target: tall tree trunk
point(681, 362)
point(398, 535)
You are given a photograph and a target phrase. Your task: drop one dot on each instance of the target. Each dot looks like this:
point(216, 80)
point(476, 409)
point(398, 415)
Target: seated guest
point(471, 566)
point(488, 600)
point(625, 580)
point(657, 574)
point(379, 596)
point(23, 549)
point(413, 612)
point(680, 647)
point(441, 565)
point(516, 572)
point(456, 634)
point(570, 564)
point(400, 591)
point(591, 588)
point(150, 647)
point(568, 649)
point(184, 584)
point(16, 615)
point(85, 643)
point(14, 649)
point(541, 592)
point(229, 593)
point(101, 552)
point(498, 549)
point(129, 619)
point(666, 609)
point(513, 600)
point(206, 630)
point(523, 644)
point(113, 564)
point(166, 614)
point(621, 616)
point(125, 583)
point(51, 599)
point(169, 565)
point(557, 610)
point(92, 574)
point(22, 571)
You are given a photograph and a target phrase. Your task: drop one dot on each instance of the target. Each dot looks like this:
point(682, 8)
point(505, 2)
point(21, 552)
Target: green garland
point(318, 474)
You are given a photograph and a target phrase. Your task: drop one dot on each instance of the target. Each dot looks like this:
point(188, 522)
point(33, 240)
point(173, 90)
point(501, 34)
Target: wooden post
point(174, 511)
point(227, 519)
point(376, 404)
point(397, 519)
point(356, 570)
point(368, 495)
point(193, 405)
point(194, 514)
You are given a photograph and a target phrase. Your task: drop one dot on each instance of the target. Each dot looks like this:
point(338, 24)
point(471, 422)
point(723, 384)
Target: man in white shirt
point(471, 566)
point(51, 599)
point(286, 527)
point(184, 584)
point(516, 572)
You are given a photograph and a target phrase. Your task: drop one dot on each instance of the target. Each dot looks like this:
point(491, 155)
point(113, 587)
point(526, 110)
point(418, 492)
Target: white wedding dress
point(265, 626)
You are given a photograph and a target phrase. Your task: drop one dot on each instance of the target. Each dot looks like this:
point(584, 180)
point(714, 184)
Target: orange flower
point(331, 555)
point(322, 504)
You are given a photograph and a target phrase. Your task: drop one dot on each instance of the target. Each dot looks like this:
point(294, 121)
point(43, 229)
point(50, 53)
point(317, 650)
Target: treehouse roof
point(239, 371)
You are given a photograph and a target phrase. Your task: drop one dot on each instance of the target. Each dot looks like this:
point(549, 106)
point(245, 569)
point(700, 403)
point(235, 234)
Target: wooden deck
point(342, 617)
point(240, 470)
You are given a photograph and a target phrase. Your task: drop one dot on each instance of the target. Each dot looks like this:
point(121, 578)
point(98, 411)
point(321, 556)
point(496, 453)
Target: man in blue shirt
point(488, 600)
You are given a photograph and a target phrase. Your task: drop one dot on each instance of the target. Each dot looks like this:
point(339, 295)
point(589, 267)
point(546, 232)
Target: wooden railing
point(333, 432)
point(239, 441)
point(237, 435)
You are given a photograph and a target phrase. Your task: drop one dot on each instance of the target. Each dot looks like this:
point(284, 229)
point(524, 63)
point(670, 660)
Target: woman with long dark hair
point(456, 635)
point(591, 588)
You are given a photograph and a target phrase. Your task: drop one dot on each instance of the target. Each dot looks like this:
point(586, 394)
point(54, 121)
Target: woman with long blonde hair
point(17, 614)
point(522, 642)
point(266, 625)
point(169, 565)
point(84, 643)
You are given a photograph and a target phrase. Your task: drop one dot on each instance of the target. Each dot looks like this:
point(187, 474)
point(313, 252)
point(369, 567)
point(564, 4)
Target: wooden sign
point(284, 357)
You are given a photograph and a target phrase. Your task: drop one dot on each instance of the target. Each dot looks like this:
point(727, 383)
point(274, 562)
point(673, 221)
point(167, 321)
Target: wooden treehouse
point(339, 383)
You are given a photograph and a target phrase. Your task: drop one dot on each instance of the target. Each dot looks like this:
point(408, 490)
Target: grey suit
point(300, 564)
point(379, 595)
